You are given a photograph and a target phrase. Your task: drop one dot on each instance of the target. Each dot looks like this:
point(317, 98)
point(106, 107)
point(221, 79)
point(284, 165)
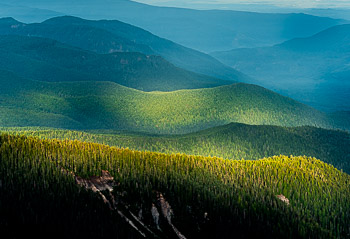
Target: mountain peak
point(64, 20)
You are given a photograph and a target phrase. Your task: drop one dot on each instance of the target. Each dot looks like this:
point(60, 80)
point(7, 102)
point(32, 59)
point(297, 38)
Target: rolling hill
point(106, 105)
point(317, 65)
point(115, 36)
point(90, 189)
point(47, 60)
point(211, 30)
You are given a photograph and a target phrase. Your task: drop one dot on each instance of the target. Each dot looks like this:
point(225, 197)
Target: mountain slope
point(278, 197)
point(47, 60)
point(232, 141)
point(111, 106)
point(213, 30)
point(337, 38)
point(114, 36)
point(317, 65)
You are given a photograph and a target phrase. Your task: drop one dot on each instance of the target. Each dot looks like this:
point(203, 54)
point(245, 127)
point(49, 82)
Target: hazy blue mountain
point(27, 14)
point(331, 12)
point(313, 70)
point(115, 36)
point(48, 60)
point(335, 12)
point(210, 30)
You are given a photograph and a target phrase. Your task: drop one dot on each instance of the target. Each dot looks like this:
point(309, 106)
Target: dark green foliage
point(239, 196)
point(38, 199)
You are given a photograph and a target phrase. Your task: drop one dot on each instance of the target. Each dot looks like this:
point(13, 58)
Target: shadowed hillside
point(48, 60)
point(116, 36)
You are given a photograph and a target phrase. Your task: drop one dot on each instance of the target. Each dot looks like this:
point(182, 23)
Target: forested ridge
point(115, 36)
point(232, 141)
point(106, 105)
point(237, 195)
point(48, 60)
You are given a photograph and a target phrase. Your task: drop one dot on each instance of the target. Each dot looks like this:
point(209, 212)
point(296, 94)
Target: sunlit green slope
point(98, 105)
point(233, 141)
point(236, 197)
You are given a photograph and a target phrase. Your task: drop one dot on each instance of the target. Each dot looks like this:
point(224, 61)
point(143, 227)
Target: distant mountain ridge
point(115, 36)
point(44, 59)
point(27, 14)
point(334, 39)
point(48, 60)
point(207, 31)
point(312, 70)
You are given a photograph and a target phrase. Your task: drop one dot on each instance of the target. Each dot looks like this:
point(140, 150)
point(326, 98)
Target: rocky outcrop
point(283, 198)
point(167, 214)
point(106, 183)
point(161, 211)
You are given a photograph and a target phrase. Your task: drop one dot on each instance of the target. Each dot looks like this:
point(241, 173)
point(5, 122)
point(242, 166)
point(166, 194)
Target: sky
point(281, 3)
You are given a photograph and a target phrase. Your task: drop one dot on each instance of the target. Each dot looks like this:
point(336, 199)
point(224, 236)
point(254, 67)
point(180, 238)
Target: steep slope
point(278, 197)
point(208, 31)
point(111, 106)
point(232, 141)
point(114, 36)
point(317, 65)
point(47, 60)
